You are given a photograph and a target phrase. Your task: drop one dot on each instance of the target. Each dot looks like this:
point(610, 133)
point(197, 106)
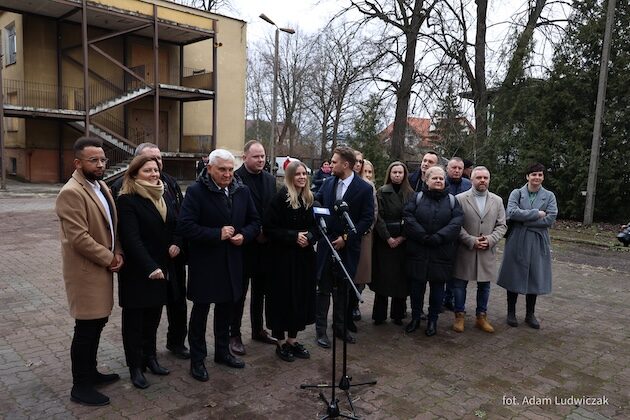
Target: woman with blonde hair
point(290, 226)
point(146, 229)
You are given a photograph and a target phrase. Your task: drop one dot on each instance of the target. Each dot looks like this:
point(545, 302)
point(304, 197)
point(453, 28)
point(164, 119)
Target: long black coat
point(145, 240)
point(254, 253)
point(291, 295)
point(388, 265)
point(215, 267)
point(432, 229)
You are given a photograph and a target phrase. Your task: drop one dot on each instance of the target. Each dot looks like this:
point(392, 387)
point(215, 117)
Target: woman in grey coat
point(526, 267)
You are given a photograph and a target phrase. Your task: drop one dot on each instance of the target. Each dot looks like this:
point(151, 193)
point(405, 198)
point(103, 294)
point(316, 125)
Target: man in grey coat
point(484, 226)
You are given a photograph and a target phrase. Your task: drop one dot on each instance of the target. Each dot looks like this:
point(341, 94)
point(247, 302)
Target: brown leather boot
point(458, 324)
point(483, 324)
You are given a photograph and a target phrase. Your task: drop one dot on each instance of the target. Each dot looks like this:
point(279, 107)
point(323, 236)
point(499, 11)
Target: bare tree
point(404, 20)
point(207, 5)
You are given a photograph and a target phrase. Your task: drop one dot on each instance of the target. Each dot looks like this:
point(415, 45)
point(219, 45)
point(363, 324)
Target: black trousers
point(197, 330)
point(397, 311)
point(256, 305)
point(339, 294)
point(84, 348)
point(139, 329)
point(279, 334)
point(176, 310)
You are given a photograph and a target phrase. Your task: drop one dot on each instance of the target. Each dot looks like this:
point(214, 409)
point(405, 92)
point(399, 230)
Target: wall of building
point(231, 72)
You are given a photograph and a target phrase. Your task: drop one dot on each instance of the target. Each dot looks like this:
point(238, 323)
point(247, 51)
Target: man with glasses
point(91, 254)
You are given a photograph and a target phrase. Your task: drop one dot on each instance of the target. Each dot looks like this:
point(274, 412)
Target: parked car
point(280, 165)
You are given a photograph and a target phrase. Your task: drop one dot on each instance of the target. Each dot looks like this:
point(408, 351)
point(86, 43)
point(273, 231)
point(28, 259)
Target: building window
point(11, 44)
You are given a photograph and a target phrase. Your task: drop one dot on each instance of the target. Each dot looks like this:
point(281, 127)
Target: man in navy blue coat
point(218, 217)
point(347, 186)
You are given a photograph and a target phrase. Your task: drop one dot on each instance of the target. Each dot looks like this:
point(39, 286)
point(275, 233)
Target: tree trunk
point(403, 93)
point(480, 91)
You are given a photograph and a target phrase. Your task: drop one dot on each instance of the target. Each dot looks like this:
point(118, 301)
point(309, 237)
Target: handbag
point(510, 223)
point(395, 229)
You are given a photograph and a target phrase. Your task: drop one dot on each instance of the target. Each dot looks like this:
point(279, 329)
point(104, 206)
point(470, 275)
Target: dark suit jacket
point(254, 252)
point(145, 239)
point(360, 199)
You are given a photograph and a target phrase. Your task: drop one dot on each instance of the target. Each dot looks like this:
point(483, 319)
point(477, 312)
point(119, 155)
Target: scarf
point(153, 193)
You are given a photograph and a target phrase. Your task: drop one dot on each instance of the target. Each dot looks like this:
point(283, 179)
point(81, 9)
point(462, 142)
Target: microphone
point(321, 212)
point(341, 208)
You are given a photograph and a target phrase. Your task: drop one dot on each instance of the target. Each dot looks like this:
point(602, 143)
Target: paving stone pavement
point(582, 350)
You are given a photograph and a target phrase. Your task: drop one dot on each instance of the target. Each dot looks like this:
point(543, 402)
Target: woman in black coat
point(290, 226)
point(432, 224)
point(388, 257)
point(146, 227)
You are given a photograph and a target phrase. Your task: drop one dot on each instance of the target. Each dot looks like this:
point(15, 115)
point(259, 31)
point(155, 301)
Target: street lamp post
point(274, 99)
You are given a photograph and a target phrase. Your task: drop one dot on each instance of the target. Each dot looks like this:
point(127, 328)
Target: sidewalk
point(581, 350)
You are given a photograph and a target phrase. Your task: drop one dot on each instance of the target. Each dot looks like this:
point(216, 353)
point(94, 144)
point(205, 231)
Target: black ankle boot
point(412, 326)
point(86, 394)
point(137, 378)
point(155, 367)
point(530, 319)
point(511, 309)
point(431, 328)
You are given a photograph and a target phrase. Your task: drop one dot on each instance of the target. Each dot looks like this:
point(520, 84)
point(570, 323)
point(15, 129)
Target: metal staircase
point(118, 152)
point(120, 100)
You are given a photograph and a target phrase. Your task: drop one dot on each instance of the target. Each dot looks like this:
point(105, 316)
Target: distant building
point(421, 135)
point(195, 103)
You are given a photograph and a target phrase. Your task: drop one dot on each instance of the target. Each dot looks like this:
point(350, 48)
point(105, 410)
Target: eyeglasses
point(95, 161)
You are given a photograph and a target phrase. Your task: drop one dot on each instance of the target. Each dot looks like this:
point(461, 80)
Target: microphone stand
point(332, 406)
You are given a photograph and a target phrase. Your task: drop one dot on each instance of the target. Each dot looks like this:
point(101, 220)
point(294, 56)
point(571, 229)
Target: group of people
point(235, 227)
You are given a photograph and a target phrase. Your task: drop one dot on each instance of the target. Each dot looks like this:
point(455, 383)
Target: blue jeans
point(459, 291)
point(436, 296)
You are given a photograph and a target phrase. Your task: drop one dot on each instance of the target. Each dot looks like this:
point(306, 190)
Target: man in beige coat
point(484, 226)
point(91, 254)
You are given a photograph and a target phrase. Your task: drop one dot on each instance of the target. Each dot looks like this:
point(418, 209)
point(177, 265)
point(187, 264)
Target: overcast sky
point(311, 15)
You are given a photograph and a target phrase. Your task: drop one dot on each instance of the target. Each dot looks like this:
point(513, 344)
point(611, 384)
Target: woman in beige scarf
point(146, 227)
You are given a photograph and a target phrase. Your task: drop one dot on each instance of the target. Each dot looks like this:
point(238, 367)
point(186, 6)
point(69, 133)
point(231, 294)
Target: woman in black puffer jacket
point(432, 224)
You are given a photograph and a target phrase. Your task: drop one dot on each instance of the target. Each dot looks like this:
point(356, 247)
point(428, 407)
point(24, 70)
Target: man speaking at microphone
point(343, 186)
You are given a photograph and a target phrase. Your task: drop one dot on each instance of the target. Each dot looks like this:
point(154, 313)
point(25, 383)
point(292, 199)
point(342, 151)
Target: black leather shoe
point(284, 352)
point(181, 352)
point(397, 321)
point(352, 327)
point(412, 326)
point(87, 395)
point(230, 361)
point(347, 337)
point(356, 314)
point(236, 346)
point(137, 378)
point(105, 378)
point(299, 351)
point(264, 337)
point(431, 329)
point(155, 367)
point(323, 341)
point(530, 319)
point(379, 321)
point(511, 320)
point(198, 371)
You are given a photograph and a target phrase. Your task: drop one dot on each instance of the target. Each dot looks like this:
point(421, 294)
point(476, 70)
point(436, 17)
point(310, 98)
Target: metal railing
point(41, 95)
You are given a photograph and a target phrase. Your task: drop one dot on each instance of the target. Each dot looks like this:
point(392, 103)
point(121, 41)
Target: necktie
point(227, 199)
point(339, 190)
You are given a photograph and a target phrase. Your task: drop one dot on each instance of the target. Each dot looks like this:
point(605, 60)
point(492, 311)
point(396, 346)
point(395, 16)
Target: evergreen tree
point(451, 125)
point(551, 120)
point(365, 137)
